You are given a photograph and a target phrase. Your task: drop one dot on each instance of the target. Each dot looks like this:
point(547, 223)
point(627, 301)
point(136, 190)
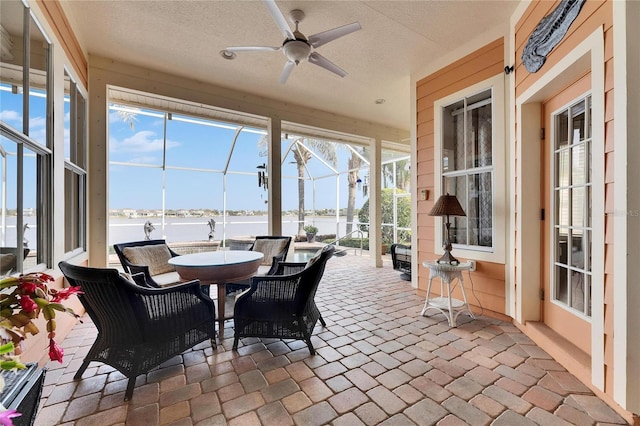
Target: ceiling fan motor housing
point(296, 50)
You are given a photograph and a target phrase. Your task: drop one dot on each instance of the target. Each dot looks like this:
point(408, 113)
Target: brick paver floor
point(378, 362)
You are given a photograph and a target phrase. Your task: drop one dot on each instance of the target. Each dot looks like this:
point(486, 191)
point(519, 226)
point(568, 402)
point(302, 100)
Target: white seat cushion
point(167, 279)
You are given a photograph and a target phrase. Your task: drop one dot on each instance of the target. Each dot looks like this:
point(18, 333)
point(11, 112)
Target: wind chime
point(263, 180)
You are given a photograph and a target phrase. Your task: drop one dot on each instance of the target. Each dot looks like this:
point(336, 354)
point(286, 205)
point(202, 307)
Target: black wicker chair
point(140, 328)
point(275, 249)
point(157, 272)
point(401, 260)
point(282, 305)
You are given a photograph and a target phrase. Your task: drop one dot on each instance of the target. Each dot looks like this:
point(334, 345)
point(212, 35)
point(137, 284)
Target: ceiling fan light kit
point(296, 47)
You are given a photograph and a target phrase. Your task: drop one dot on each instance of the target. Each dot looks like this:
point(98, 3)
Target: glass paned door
point(572, 207)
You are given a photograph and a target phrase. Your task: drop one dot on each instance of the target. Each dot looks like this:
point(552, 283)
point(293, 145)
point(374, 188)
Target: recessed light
point(380, 101)
point(227, 54)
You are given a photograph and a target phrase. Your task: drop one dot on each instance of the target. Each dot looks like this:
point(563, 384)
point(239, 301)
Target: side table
point(449, 306)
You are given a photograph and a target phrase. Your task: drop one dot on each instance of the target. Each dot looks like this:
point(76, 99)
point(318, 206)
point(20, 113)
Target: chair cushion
point(167, 279)
point(156, 257)
point(7, 262)
point(270, 248)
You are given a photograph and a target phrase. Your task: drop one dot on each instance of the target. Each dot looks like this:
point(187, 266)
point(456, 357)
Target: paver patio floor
point(378, 362)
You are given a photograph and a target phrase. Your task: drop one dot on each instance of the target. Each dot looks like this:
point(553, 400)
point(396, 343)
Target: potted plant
point(23, 299)
point(311, 232)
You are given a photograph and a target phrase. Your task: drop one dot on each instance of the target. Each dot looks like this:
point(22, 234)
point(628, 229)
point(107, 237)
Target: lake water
point(180, 229)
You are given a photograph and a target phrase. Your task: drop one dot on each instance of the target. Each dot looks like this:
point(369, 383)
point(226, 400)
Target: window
point(25, 139)
point(75, 174)
point(469, 134)
point(467, 167)
point(572, 207)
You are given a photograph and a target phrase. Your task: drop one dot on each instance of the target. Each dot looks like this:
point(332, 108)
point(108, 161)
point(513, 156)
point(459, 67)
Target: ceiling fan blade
point(286, 71)
point(253, 49)
point(319, 60)
point(278, 17)
point(325, 37)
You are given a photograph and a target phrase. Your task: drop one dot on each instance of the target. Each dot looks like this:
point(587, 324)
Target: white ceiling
point(397, 39)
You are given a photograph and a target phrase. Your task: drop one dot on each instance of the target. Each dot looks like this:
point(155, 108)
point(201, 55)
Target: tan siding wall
point(57, 19)
point(594, 14)
point(489, 279)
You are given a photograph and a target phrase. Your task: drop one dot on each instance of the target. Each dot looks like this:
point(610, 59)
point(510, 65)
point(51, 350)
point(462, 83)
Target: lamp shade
point(447, 205)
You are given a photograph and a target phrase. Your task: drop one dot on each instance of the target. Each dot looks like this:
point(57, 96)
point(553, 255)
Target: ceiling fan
point(296, 47)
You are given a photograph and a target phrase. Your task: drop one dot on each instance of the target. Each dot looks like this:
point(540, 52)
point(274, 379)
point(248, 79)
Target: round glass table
point(219, 268)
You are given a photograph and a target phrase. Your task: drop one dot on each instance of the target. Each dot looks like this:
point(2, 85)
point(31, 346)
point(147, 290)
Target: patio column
point(375, 206)
point(98, 167)
point(274, 161)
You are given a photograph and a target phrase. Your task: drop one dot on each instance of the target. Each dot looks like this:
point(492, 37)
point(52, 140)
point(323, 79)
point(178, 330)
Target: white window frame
point(496, 253)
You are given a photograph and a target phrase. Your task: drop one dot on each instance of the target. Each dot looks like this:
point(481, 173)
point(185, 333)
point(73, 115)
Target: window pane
point(561, 287)
point(562, 129)
point(577, 290)
point(9, 237)
point(578, 165)
point(479, 210)
point(73, 190)
point(458, 231)
point(38, 81)
point(562, 246)
point(67, 116)
point(11, 78)
point(453, 137)
point(562, 168)
point(577, 201)
point(32, 216)
point(479, 137)
point(578, 122)
point(562, 207)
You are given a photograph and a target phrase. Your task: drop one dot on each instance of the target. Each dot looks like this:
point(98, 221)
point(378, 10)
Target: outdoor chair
point(275, 249)
point(401, 260)
point(9, 259)
point(282, 305)
point(140, 328)
point(151, 258)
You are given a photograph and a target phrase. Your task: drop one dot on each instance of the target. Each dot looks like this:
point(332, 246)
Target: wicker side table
point(449, 306)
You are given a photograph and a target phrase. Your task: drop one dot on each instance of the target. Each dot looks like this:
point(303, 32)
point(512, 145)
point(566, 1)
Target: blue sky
point(198, 146)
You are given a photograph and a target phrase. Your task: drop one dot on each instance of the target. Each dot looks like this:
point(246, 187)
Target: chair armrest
point(287, 268)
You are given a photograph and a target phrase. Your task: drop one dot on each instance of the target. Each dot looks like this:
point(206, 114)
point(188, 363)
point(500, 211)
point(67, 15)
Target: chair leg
point(235, 343)
point(81, 370)
point(130, 385)
point(324, 324)
point(312, 351)
point(213, 343)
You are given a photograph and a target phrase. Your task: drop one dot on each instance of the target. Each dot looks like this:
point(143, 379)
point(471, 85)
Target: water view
point(181, 229)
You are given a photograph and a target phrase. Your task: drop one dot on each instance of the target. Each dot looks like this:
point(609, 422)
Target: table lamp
point(447, 205)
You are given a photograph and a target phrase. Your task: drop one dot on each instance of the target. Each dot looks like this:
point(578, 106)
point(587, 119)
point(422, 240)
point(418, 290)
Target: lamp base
point(447, 257)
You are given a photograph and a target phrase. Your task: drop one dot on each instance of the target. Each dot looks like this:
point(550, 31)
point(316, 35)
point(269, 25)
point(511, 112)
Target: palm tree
point(128, 115)
point(402, 173)
point(302, 148)
point(302, 154)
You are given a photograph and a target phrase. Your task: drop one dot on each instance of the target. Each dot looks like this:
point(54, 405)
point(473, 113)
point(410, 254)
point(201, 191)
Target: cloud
point(143, 141)
point(9, 115)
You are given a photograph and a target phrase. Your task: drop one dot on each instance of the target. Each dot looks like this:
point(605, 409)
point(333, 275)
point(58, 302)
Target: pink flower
point(64, 294)
point(27, 304)
point(55, 352)
point(6, 416)
point(27, 287)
